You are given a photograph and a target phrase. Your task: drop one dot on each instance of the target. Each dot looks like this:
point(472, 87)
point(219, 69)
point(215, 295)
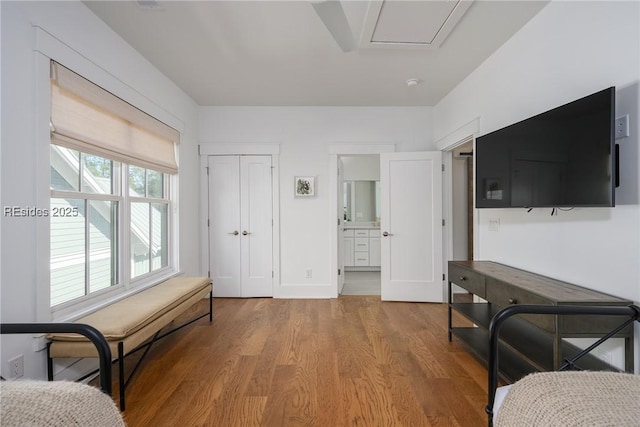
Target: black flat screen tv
point(565, 157)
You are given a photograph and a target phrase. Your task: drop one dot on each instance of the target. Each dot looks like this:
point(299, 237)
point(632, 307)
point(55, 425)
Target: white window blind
point(87, 118)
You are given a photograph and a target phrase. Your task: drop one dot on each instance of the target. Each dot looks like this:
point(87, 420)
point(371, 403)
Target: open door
point(411, 226)
point(341, 219)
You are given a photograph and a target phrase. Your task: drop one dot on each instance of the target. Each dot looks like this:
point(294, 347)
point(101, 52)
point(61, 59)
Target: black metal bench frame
point(94, 335)
point(632, 313)
point(122, 381)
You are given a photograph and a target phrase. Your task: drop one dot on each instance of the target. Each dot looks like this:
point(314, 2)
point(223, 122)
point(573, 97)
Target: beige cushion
point(87, 349)
point(133, 313)
point(561, 399)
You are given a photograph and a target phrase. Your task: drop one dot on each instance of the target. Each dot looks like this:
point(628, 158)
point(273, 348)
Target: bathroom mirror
point(361, 201)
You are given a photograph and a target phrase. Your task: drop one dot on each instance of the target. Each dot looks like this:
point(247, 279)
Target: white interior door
point(411, 226)
point(224, 225)
point(240, 225)
point(257, 225)
point(340, 213)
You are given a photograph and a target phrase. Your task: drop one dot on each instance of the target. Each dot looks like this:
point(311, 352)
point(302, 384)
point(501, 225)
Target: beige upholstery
point(134, 319)
point(578, 399)
point(59, 403)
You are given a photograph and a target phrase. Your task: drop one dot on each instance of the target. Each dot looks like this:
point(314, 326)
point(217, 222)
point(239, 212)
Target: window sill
point(89, 305)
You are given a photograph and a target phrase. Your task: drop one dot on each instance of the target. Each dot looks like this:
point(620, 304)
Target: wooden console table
point(529, 343)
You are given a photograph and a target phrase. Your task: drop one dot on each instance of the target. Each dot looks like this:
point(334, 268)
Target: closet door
point(240, 225)
point(257, 224)
point(224, 225)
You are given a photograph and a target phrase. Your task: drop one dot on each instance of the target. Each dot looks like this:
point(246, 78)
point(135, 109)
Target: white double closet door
point(240, 226)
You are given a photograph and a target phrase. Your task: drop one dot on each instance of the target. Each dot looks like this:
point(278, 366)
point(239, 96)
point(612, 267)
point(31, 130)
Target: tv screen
point(564, 157)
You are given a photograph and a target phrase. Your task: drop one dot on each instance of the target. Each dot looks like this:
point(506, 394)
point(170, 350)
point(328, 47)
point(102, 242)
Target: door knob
point(385, 234)
point(245, 232)
point(235, 232)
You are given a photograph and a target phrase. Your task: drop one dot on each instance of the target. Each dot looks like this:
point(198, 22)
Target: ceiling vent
point(411, 24)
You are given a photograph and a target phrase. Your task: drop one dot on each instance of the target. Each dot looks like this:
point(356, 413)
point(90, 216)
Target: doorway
point(462, 192)
point(359, 232)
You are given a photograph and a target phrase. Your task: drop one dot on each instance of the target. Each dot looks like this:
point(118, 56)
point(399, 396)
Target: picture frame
point(304, 186)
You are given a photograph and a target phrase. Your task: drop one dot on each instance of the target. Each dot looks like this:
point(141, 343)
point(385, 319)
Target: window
point(149, 220)
point(84, 224)
point(112, 168)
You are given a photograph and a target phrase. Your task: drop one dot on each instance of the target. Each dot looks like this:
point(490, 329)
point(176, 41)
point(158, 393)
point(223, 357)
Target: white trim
point(42, 183)
point(61, 52)
point(334, 151)
point(213, 149)
point(459, 136)
point(447, 144)
point(361, 148)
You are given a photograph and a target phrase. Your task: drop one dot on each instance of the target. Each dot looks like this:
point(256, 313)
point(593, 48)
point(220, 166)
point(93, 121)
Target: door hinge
point(339, 272)
point(443, 167)
point(273, 274)
point(443, 222)
point(208, 223)
point(209, 274)
point(443, 278)
point(207, 168)
point(338, 221)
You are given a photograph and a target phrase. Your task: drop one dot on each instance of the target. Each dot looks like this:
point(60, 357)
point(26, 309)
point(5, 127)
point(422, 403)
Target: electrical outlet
point(622, 126)
point(494, 224)
point(309, 274)
point(16, 367)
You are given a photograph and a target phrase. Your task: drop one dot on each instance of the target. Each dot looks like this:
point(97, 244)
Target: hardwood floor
point(351, 361)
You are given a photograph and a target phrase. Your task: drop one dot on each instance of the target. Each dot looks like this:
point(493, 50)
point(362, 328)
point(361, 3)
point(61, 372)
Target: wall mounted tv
point(565, 157)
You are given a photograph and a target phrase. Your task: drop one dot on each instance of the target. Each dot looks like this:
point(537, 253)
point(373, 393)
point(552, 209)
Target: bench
point(134, 323)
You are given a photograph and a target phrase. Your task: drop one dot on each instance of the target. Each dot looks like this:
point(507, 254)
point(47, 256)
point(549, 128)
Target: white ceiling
point(279, 53)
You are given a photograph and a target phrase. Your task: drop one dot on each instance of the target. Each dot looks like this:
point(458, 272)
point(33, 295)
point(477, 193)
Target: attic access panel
point(411, 24)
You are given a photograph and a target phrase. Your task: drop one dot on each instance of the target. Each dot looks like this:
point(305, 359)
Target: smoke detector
point(149, 5)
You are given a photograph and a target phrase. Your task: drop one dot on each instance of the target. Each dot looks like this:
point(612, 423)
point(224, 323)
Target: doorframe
point(464, 134)
point(241, 149)
point(336, 150)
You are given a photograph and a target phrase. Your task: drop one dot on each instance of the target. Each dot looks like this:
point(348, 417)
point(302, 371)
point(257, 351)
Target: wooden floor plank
point(351, 361)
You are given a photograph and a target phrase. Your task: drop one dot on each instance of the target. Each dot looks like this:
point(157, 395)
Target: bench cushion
point(134, 312)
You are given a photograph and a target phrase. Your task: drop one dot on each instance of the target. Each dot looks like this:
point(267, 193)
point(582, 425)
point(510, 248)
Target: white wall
point(304, 135)
point(361, 168)
point(569, 50)
point(86, 40)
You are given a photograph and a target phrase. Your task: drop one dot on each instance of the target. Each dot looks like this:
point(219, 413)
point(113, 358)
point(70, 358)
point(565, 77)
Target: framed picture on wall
point(305, 186)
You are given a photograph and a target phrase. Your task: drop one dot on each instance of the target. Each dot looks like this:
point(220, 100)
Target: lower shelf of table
point(524, 348)
point(512, 365)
